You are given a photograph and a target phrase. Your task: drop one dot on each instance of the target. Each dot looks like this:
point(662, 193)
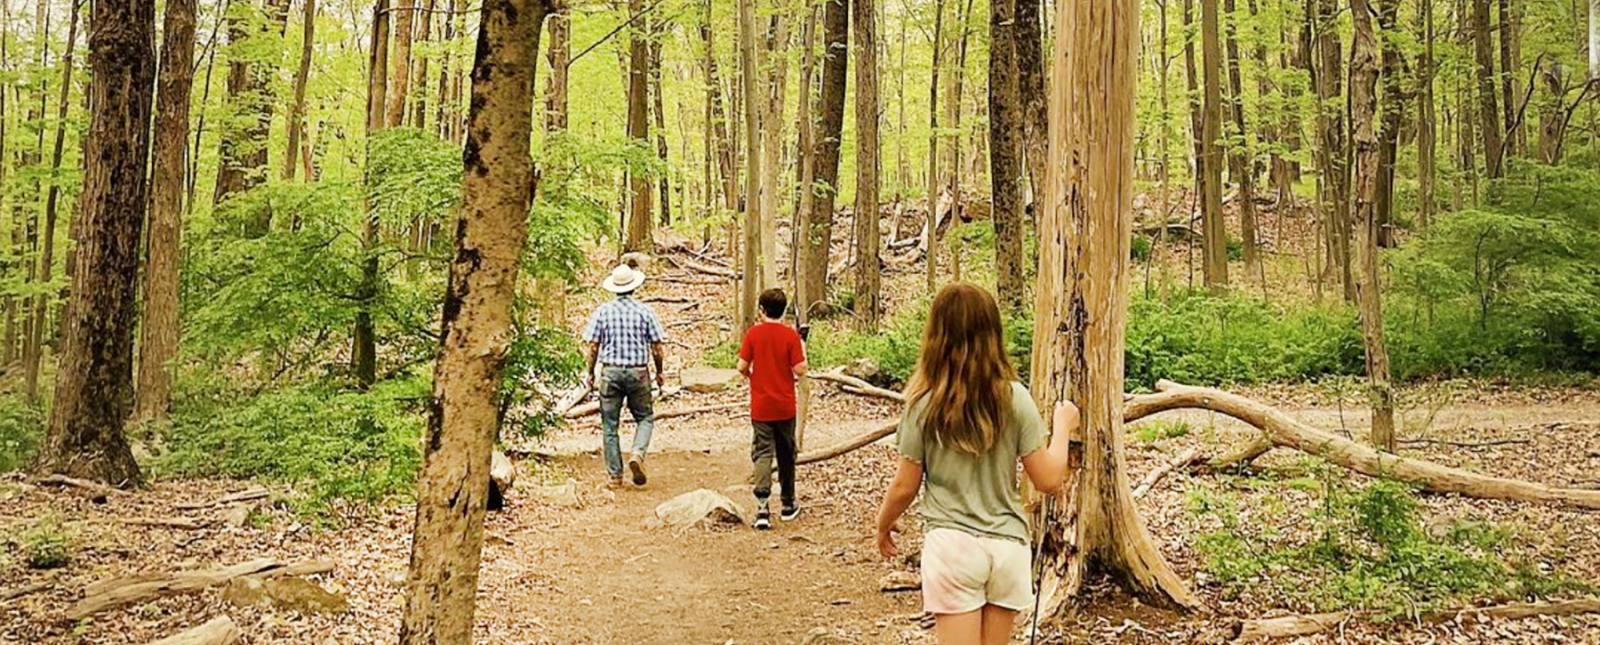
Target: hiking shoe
point(791, 511)
point(615, 483)
point(763, 516)
point(636, 466)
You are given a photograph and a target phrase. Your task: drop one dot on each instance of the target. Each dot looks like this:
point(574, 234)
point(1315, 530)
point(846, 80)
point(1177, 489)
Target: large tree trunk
point(1005, 153)
point(1196, 128)
point(364, 353)
point(1483, 49)
point(818, 234)
point(1242, 160)
point(1332, 154)
point(659, 112)
point(400, 79)
point(242, 155)
point(868, 273)
point(640, 237)
point(560, 55)
point(1084, 238)
point(158, 340)
point(1393, 107)
point(930, 233)
point(1213, 222)
point(805, 170)
point(94, 383)
point(33, 351)
point(1427, 132)
point(1363, 113)
point(491, 233)
point(750, 281)
point(297, 111)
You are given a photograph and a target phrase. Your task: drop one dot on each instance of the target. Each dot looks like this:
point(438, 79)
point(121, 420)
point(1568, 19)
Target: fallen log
point(573, 398)
point(217, 631)
point(1462, 444)
point(1289, 433)
point(24, 590)
point(1155, 476)
point(830, 452)
point(701, 267)
point(74, 482)
point(185, 523)
point(861, 386)
point(1292, 626)
point(119, 592)
point(684, 412)
point(246, 495)
point(671, 300)
point(1241, 454)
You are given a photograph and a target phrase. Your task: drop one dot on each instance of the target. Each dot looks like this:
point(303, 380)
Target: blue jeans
point(629, 385)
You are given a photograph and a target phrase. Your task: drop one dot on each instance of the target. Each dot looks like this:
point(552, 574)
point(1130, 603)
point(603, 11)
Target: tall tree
point(1363, 114)
point(400, 79)
point(1029, 31)
point(775, 92)
point(1594, 39)
point(242, 151)
point(33, 351)
point(750, 281)
point(930, 234)
point(659, 112)
point(1005, 152)
point(364, 351)
point(560, 56)
point(718, 118)
point(419, 65)
point(868, 216)
point(1197, 131)
point(1212, 220)
point(302, 75)
point(1085, 233)
point(818, 234)
point(1241, 161)
point(1483, 50)
point(640, 237)
point(1427, 132)
point(1510, 67)
point(1392, 109)
point(490, 238)
point(94, 381)
point(158, 339)
point(8, 352)
point(1332, 151)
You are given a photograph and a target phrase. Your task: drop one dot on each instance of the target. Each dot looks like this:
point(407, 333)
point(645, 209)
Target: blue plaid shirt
point(625, 328)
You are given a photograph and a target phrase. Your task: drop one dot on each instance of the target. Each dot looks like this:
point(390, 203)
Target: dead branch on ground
point(1291, 626)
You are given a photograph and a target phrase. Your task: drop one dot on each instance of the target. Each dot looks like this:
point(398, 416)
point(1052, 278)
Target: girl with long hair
point(968, 422)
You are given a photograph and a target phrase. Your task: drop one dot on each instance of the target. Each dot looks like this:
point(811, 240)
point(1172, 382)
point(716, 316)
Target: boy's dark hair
point(773, 303)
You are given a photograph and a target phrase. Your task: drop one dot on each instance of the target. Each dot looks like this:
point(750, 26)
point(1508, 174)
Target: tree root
point(1279, 430)
point(1291, 626)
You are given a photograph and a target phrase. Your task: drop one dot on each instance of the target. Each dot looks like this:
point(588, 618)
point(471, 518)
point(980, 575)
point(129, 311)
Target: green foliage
point(48, 544)
point(326, 441)
point(1366, 549)
point(1159, 429)
point(21, 428)
point(1195, 338)
point(1141, 249)
point(895, 347)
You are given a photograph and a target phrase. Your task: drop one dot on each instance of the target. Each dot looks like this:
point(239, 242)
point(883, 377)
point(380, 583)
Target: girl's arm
point(1047, 466)
point(902, 491)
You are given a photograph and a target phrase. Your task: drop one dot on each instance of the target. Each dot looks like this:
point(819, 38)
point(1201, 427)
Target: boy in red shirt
point(772, 358)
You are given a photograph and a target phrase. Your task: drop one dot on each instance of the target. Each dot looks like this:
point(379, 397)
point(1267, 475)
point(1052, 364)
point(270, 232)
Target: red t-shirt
point(772, 349)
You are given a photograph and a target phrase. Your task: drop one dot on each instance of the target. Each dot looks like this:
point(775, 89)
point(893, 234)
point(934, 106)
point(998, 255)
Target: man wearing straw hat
point(624, 337)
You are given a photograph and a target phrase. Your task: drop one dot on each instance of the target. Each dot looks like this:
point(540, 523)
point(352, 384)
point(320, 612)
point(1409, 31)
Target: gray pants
point(773, 437)
point(630, 385)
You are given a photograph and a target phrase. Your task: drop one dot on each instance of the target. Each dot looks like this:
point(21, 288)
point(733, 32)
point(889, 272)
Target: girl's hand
point(1066, 416)
point(886, 546)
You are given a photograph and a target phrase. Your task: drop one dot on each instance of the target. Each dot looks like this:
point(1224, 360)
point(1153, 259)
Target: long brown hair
point(963, 377)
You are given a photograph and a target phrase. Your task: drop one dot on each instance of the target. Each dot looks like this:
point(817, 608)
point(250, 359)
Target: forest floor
point(594, 570)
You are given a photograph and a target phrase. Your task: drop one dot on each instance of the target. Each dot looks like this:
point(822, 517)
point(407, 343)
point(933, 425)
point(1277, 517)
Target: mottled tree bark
point(94, 382)
point(1215, 259)
point(640, 233)
point(1034, 102)
point(560, 55)
point(1332, 151)
point(400, 79)
point(1483, 50)
point(1241, 159)
point(818, 234)
point(1427, 131)
point(750, 280)
point(1368, 157)
point(1391, 111)
point(242, 150)
point(297, 110)
point(1085, 232)
point(475, 335)
point(930, 233)
point(158, 340)
point(1005, 153)
point(775, 84)
point(364, 352)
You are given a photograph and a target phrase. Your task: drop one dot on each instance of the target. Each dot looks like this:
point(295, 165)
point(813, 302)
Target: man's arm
point(659, 354)
point(590, 357)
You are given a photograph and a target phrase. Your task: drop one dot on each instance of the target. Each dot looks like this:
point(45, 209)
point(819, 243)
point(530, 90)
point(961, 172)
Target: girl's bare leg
point(961, 629)
point(997, 624)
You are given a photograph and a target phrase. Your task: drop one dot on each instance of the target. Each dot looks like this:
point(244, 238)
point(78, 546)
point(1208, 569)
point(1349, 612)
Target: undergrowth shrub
point(47, 544)
point(21, 428)
point(1366, 549)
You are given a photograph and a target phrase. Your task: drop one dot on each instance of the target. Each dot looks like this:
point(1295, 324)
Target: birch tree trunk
point(158, 340)
point(491, 233)
point(868, 213)
point(1084, 238)
point(94, 381)
point(1363, 113)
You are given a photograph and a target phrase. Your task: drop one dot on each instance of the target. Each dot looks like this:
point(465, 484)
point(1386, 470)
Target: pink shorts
point(962, 572)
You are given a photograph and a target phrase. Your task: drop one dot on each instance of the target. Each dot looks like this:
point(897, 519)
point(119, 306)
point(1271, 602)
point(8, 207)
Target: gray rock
point(700, 507)
point(900, 581)
point(238, 515)
point(707, 380)
point(564, 494)
point(288, 594)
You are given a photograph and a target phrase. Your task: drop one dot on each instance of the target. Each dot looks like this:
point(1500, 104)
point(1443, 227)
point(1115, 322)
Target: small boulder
point(708, 380)
point(701, 507)
point(900, 581)
point(238, 515)
point(288, 594)
point(502, 476)
point(564, 494)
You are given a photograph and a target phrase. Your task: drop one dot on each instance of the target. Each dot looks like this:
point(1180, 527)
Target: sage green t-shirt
point(977, 494)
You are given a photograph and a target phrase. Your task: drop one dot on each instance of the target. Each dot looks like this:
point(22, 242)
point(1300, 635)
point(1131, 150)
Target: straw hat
point(623, 279)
